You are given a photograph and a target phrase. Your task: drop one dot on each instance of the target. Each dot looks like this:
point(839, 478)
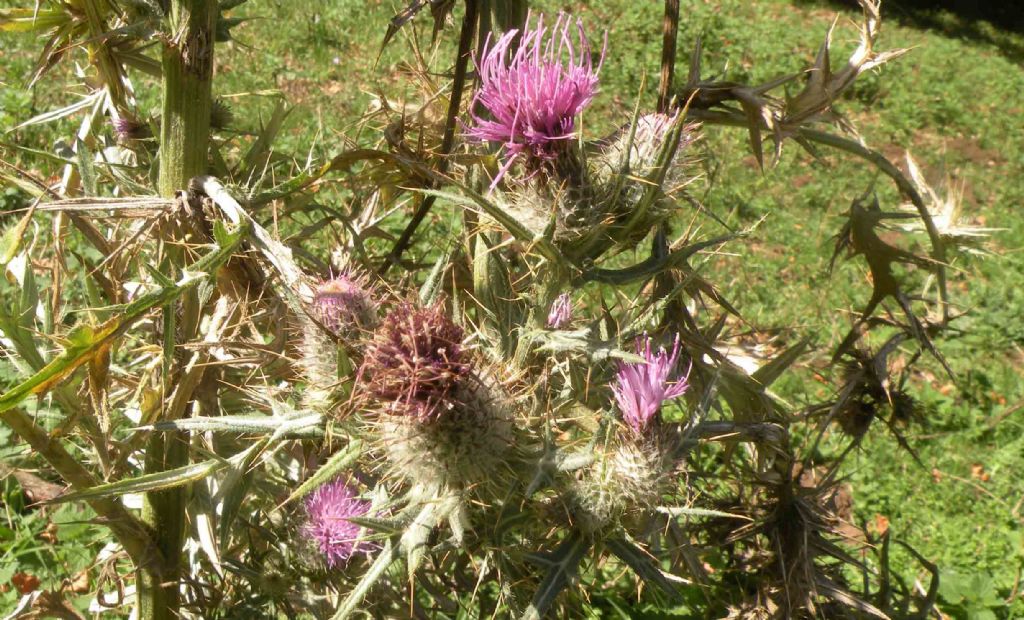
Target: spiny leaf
point(304, 424)
point(84, 342)
point(509, 223)
point(643, 565)
point(493, 289)
point(767, 374)
point(687, 511)
point(416, 536)
point(259, 153)
point(433, 285)
point(387, 556)
point(562, 563)
point(383, 526)
point(53, 115)
point(234, 487)
point(339, 461)
point(86, 170)
point(32, 20)
point(159, 481)
point(10, 244)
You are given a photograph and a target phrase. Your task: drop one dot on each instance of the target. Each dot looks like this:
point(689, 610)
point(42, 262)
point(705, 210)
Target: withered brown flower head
point(415, 361)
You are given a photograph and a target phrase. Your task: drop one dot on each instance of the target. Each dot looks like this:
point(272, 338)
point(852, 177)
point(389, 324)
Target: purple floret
point(560, 314)
point(534, 94)
point(328, 510)
point(641, 388)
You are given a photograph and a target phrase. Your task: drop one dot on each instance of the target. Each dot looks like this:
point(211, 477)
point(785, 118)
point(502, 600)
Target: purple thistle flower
point(641, 388)
point(534, 96)
point(127, 129)
point(561, 312)
point(328, 510)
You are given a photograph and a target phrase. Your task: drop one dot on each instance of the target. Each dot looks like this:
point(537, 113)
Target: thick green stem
point(188, 71)
point(184, 147)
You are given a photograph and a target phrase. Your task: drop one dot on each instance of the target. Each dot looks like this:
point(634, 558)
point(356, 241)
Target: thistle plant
point(494, 399)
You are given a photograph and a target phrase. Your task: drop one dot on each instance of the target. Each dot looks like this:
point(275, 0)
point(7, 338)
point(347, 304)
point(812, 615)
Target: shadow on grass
point(999, 23)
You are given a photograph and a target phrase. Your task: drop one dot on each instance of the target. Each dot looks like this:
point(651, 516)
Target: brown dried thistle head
point(415, 361)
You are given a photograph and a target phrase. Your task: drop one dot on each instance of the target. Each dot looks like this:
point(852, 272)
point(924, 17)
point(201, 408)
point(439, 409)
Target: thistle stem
point(187, 64)
point(188, 68)
point(670, 28)
point(462, 59)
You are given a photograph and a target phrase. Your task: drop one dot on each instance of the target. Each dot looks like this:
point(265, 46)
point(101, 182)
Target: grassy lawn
point(953, 101)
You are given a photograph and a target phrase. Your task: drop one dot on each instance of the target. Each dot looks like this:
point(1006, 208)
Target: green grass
point(954, 102)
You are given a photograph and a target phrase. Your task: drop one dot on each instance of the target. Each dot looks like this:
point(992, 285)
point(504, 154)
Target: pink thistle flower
point(533, 95)
point(641, 388)
point(127, 129)
point(561, 312)
point(328, 510)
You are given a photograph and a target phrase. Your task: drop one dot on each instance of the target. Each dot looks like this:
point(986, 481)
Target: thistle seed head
point(221, 114)
point(415, 361)
point(466, 448)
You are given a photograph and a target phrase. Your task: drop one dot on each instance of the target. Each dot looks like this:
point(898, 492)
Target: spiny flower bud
point(641, 151)
point(623, 167)
point(466, 447)
point(622, 487)
point(415, 361)
point(345, 304)
point(328, 510)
